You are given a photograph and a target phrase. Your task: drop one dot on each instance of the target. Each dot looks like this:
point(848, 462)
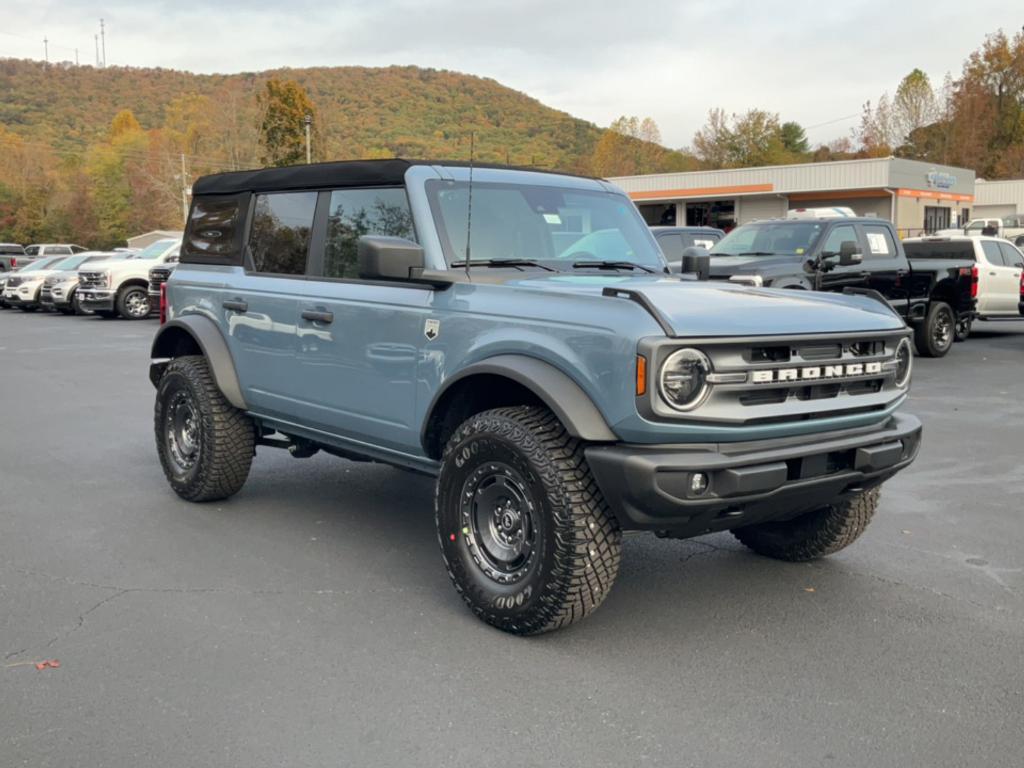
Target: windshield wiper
point(759, 253)
point(610, 265)
point(504, 263)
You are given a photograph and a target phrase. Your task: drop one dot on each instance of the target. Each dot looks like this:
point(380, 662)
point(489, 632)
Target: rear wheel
point(935, 335)
point(964, 323)
point(205, 444)
point(133, 302)
point(815, 534)
point(526, 536)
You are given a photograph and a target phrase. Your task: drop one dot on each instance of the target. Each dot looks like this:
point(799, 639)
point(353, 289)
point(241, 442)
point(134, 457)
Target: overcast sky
point(813, 62)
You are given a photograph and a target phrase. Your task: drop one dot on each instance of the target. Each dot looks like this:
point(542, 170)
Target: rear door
point(886, 267)
point(359, 342)
point(1013, 261)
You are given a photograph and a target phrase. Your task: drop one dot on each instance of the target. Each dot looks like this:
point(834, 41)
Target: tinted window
point(1011, 256)
point(672, 246)
point(356, 212)
point(991, 249)
point(32, 250)
point(793, 238)
point(961, 250)
point(58, 250)
point(214, 226)
point(279, 240)
point(837, 237)
point(880, 242)
point(15, 250)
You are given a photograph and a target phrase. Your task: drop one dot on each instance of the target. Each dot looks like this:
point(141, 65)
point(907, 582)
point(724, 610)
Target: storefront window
point(717, 213)
point(659, 214)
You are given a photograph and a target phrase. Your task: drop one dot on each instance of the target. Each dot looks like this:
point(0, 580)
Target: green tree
point(794, 139)
point(914, 106)
point(284, 105)
point(754, 138)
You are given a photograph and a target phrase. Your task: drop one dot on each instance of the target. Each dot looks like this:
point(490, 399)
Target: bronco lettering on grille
point(815, 373)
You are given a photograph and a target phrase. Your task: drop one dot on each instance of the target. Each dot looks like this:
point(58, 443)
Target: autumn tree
point(284, 105)
point(632, 146)
point(754, 138)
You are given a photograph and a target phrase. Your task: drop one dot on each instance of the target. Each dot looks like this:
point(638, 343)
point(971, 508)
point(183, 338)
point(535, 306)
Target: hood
point(704, 308)
point(724, 266)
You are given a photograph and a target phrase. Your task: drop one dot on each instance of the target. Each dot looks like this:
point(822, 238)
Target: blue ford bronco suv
point(517, 334)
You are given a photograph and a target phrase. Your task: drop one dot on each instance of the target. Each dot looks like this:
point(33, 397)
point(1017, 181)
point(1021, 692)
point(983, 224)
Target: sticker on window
point(552, 218)
point(703, 243)
point(877, 243)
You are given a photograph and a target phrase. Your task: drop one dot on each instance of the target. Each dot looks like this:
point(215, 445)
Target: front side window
point(1011, 256)
point(880, 242)
point(837, 237)
point(992, 255)
point(560, 227)
point(780, 238)
point(279, 239)
point(672, 246)
point(32, 250)
point(356, 212)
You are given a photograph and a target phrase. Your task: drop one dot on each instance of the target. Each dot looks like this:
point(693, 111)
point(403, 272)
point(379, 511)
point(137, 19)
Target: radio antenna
point(469, 209)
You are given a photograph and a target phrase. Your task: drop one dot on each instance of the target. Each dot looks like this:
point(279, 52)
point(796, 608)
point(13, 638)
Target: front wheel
point(133, 303)
point(526, 536)
point(964, 323)
point(205, 444)
point(815, 534)
point(935, 335)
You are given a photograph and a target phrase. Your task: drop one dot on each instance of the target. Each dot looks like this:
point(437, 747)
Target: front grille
point(158, 276)
point(92, 280)
point(794, 378)
point(51, 281)
point(46, 292)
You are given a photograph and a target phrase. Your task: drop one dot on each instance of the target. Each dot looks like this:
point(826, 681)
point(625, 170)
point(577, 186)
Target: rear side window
point(214, 231)
point(279, 238)
point(991, 249)
point(356, 212)
point(671, 246)
point(961, 250)
point(880, 242)
point(1011, 256)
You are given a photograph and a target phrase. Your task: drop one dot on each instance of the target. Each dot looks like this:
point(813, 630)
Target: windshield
point(769, 238)
point(40, 264)
point(69, 263)
point(155, 250)
point(551, 225)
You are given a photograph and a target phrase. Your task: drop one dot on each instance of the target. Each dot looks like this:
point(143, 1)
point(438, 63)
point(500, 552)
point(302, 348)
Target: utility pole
point(46, 50)
point(103, 40)
point(96, 39)
point(76, 57)
point(308, 120)
point(184, 190)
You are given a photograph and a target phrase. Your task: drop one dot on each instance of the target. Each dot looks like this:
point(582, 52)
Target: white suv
point(121, 288)
point(999, 265)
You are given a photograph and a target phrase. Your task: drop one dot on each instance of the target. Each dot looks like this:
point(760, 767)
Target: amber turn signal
point(641, 375)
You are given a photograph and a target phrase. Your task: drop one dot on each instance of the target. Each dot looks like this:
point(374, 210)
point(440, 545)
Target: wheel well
point(468, 396)
point(134, 281)
point(945, 291)
point(176, 342)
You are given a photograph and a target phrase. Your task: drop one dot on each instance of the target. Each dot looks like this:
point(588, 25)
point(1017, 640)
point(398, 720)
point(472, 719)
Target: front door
point(359, 343)
point(1013, 264)
point(837, 278)
point(998, 283)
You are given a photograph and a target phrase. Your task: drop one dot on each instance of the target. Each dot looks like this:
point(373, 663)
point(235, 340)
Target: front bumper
point(96, 299)
point(649, 487)
point(23, 299)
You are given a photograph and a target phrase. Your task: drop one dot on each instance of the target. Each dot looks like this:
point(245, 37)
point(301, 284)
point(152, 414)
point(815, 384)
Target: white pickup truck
point(1010, 228)
point(121, 288)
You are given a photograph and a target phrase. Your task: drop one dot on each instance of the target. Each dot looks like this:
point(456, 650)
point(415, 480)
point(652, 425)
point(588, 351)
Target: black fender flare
point(208, 337)
point(555, 389)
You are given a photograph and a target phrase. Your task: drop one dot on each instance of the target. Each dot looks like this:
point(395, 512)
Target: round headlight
point(904, 362)
point(683, 382)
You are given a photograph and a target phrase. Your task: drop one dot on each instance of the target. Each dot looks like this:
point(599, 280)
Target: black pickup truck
point(936, 297)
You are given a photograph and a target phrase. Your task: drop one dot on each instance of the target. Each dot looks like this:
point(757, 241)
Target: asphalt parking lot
point(309, 621)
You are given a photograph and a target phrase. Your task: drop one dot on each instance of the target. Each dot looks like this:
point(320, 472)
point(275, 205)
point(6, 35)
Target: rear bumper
point(92, 299)
point(649, 487)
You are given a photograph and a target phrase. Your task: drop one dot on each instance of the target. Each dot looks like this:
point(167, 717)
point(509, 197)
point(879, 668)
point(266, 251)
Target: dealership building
point(998, 199)
point(917, 197)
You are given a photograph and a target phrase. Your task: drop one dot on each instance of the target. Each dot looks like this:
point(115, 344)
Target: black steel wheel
point(934, 336)
point(526, 536)
point(205, 444)
point(964, 324)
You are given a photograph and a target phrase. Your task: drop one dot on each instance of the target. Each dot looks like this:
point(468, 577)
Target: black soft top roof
point(342, 173)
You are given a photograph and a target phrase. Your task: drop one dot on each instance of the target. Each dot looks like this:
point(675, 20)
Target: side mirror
point(848, 254)
point(696, 261)
point(389, 258)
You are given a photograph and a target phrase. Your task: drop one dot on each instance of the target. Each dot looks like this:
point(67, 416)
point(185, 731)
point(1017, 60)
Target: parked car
point(561, 389)
point(998, 263)
point(11, 255)
point(121, 288)
point(42, 250)
point(1011, 228)
point(60, 288)
point(157, 277)
point(674, 240)
point(22, 287)
point(849, 254)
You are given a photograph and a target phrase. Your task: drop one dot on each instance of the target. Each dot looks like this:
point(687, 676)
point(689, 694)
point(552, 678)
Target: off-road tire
point(125, 306)
point(224, 436)
point(934, 336)
point(577, 543)
point(815, 534)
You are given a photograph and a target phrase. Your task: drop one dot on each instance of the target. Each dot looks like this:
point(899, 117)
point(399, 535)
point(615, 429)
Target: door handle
point(992, 273)
point(317, 316)
point(236, 305)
